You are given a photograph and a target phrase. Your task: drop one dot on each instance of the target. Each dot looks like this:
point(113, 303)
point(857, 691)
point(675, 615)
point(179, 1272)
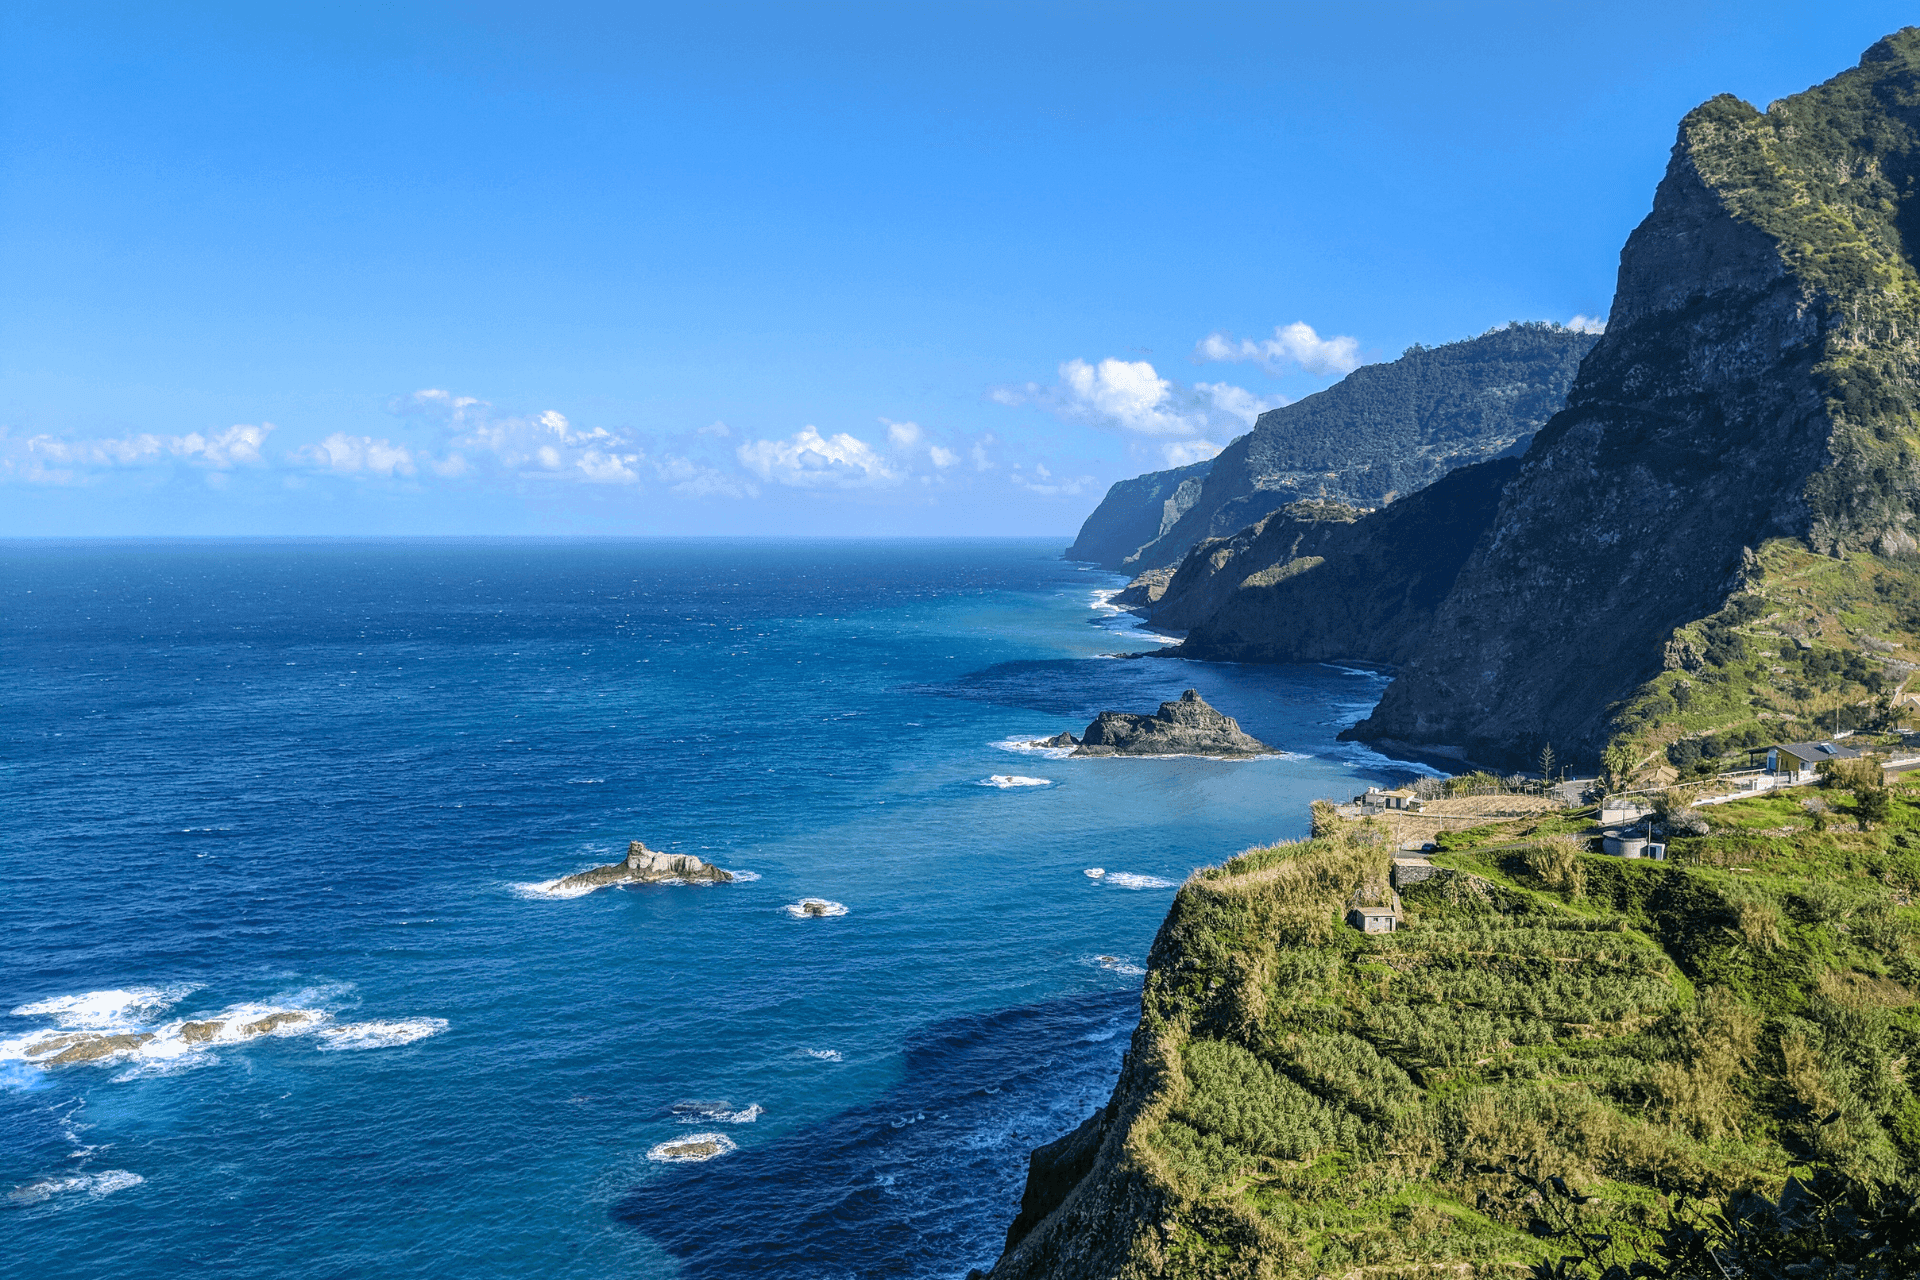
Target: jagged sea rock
point(84, 1046)
point(644, 866)
point(1188, 727)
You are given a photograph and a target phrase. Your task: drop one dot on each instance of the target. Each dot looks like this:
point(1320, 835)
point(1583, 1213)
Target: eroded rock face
point(1320, 582)
point(645, 866)
point(1188, 727)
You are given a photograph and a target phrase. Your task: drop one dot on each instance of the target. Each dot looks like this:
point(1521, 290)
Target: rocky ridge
point(1385, 431)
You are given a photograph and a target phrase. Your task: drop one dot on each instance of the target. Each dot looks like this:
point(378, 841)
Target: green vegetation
point(1322, 1102)
point(1812, 643)
point(1827, 173)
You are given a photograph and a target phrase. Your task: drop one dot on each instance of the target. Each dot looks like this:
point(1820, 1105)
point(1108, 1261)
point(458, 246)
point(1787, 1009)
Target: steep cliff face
point(1317, 581)
point(1136, 512)
point(1383, 432)
point(1757, 380)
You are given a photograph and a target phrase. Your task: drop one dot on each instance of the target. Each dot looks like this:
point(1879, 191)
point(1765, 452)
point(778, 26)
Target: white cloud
point(1293, 345)
point(1132, 396)
point(696, 480)
point(1128, 392)
point(904, 434)
point(981, 462)
point(1180, 453)
point(545, 444)
point(942, 458)
point(1238, 402)
point(1043, 481)
point(809, 461)
point(1588, 324)
point(348, 455)
point(46, 459)
point(716, 429)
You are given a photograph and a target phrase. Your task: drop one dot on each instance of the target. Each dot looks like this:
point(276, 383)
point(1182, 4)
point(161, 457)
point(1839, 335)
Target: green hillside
point(1305, 1100)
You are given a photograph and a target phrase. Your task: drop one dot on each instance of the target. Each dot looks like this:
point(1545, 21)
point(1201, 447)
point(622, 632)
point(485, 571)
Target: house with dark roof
point(1796, 761)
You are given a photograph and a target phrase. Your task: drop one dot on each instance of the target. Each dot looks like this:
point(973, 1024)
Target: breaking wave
point(813, 908)
point(380, 1034)
point(1006, 781)
point(104, 1183)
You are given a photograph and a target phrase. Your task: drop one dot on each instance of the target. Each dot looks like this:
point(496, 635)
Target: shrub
point(1555, 861)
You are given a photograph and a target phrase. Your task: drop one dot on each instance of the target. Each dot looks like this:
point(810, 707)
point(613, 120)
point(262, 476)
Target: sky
point(783, 269)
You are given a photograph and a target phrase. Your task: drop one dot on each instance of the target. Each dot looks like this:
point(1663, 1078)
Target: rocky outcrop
point(1145, 590)
point(1136, 512)
point(84, 1046)
point(1319, 582)
point(1188, 727)
point(1757, 380)
point(644, 866)
point(1384, 432)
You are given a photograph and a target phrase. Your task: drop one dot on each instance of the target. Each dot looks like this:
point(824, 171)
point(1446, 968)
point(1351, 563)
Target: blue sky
point(782, 269)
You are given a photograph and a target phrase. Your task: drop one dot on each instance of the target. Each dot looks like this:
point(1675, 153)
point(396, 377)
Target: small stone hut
point(1375, 908)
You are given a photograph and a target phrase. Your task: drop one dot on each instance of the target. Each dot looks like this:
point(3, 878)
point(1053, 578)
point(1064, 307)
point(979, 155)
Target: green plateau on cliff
point(1303, 1099)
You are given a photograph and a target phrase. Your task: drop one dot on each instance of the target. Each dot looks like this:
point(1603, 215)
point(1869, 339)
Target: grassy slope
point(1810, 636)
point(1322, 1102)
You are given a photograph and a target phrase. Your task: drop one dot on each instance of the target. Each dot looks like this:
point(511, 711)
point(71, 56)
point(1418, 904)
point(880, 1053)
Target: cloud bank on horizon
point(476, 446)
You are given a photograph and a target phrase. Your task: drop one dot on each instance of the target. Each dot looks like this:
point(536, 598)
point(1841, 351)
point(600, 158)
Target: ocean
point(333, 779)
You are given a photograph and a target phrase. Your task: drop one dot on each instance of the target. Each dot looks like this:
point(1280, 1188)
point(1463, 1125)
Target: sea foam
point(104, 1183)
point(380, 1034)
point(1007, 781)
point(1129, 880)
point(814, 908)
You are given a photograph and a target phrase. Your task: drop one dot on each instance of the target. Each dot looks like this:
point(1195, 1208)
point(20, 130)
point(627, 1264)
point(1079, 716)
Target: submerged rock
point(644, 866)
point(1188, 727)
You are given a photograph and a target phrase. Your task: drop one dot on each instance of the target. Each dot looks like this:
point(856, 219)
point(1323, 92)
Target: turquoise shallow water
point(329, 776)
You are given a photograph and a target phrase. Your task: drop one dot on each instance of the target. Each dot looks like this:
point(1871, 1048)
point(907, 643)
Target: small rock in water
point(1094, 873)
point(645, 866)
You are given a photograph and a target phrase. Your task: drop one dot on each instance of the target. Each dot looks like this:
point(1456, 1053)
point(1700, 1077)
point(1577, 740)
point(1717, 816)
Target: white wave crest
point(1030, 746)
point(745, 877)
point(825, 1055)
point(1094, 873)
point(380, 1034)
point(104, 1010)
point(104, 1183)
point(1114, 964)
point(1005, 781)
point(692, 1148)
point(813, 908)
point(717, 1113)
point(1128, 880)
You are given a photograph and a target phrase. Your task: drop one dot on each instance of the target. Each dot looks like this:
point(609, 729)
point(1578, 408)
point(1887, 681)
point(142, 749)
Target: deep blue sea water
point(245, 777)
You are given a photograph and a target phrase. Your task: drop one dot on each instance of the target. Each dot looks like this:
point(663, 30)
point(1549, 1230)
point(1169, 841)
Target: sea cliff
point(1756, 384)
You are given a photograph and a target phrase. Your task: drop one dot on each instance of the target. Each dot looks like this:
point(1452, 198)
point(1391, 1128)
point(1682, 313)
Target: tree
point(1547, 762)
